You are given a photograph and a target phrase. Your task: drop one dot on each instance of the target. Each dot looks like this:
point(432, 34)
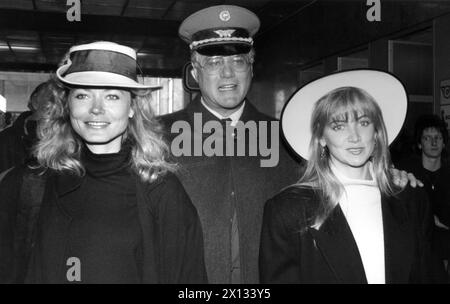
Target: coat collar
point(338, 246)
point(195, 106)
point(250, 113)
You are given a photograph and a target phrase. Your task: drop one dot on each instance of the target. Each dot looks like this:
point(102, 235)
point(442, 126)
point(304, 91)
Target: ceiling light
point(19, 48)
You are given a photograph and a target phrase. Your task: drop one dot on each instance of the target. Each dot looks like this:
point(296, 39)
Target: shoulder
point(409, 193)
point(167, 182)
point(8, 134)
point(293, 203)
point(10, 187)
point(414, 200)
point(256, 114)
point(168, 193)
point(168, 119)
point(12, 175)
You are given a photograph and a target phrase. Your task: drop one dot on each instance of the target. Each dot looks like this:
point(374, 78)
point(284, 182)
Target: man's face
point(431, 143)
point(223, 80)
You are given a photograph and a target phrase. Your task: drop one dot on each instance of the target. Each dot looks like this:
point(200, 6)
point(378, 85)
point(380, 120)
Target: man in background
point(16, 141)
point(432, 168)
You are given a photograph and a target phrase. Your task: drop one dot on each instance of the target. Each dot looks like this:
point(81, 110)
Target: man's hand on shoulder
point(401, 178)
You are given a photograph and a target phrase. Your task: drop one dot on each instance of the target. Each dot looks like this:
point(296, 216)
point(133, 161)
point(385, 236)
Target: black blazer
point(292, 252)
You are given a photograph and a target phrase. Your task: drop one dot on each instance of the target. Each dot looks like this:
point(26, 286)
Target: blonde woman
point(112, 211)
point(345, 221)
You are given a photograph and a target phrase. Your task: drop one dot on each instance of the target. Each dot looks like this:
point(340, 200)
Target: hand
point(401, 178)
point(438, 223)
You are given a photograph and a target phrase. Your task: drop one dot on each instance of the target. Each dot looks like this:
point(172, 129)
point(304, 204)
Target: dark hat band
point(102, 61)
point(221, 35)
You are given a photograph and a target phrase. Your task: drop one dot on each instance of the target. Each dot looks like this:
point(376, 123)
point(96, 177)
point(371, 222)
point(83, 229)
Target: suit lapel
point(338, 247)
point(398, 240)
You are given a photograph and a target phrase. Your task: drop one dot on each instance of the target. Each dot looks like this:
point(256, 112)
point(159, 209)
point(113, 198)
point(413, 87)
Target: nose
point(354, 134)
point(227, 69)
point(434, 141)
point(97, 106)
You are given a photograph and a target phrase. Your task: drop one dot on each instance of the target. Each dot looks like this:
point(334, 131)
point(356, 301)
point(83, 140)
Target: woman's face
point(350, 140)
point(100, 117)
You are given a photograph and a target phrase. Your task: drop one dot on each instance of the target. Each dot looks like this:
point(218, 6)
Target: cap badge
point(224, 16)
point(224, 33)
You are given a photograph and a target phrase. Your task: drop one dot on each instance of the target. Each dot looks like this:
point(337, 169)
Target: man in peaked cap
point(229, 192)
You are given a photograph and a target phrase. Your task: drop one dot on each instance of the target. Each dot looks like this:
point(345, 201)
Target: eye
point(364, 122)
point(80, 96)
point(213, 62)
point(112, 97)
point(337, 127)
point(239, 61)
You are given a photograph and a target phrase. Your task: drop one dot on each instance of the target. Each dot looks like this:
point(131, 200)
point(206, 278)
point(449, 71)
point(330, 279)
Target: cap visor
point(224, 49)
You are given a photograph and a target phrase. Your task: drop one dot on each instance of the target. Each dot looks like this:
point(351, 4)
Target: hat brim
point(100, 79)
point(386, 89)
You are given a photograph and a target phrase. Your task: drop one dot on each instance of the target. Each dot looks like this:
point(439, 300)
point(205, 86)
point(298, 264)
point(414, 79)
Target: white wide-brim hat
point(386, 89)
point(102, 64)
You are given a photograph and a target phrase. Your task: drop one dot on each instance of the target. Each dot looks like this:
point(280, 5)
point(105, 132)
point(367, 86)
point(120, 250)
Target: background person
point(16, 142)
point(110, 199)
point(345, 221)
point(431, 166)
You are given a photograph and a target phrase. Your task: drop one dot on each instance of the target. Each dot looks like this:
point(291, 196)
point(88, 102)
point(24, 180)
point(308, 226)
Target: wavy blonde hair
point(59, 147)
point(348, 101)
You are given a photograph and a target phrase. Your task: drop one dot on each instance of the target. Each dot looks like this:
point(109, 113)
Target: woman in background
point(345, 221)
point(112, 211)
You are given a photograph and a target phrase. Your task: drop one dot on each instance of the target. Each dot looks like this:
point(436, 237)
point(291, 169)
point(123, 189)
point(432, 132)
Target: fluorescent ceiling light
point(19, 48)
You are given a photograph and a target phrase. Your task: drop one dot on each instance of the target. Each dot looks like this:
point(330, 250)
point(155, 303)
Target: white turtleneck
point(361, 205)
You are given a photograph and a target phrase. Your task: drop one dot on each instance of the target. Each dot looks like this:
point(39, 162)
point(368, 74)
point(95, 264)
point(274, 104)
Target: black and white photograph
point(228, 149)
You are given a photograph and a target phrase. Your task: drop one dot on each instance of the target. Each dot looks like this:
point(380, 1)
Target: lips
point(227, 87)
point(97, 124)
point(355, 151)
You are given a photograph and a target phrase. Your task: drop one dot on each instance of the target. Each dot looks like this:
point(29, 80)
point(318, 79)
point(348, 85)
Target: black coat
point(218, 184)
point(292, 252)
point(171, 232)
point(438, 189)
point(15, 145)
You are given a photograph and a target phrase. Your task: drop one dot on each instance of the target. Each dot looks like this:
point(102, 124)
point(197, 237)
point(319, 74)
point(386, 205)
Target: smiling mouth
point(355, 151)
point(227, 87)
point(97, 124)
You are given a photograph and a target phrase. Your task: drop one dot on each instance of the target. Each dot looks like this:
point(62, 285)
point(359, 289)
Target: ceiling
point(35, 34)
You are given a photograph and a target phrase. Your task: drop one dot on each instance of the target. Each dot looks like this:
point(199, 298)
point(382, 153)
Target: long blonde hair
point(59, 147)
point(346, 101)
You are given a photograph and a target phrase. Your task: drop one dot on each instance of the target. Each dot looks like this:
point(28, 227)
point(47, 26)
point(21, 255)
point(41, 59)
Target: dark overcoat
point(171, 232)
point(15, 145)
point(293, 252)
point(218, 185)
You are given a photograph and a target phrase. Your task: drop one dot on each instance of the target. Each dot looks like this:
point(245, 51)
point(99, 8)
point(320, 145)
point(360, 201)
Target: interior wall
point(442, 65)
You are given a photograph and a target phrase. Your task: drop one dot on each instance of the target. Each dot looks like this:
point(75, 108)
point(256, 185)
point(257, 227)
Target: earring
point(323, 153)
